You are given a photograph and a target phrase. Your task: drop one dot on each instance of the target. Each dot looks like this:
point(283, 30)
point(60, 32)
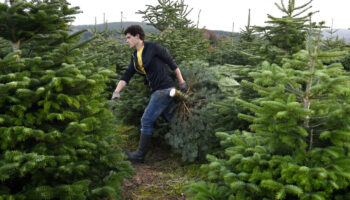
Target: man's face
point(132, 40)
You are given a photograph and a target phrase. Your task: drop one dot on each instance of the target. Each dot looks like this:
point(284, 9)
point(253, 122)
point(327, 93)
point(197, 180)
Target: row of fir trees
point(57, 136)
point(297, 143)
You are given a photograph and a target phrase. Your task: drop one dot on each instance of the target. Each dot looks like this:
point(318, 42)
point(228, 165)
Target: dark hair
point(134, 30)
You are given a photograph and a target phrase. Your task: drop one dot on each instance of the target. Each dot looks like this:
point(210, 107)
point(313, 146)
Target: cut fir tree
point(203, 108)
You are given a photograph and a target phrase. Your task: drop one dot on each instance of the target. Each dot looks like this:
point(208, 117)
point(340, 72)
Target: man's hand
point(183, 86)
point(115, 96)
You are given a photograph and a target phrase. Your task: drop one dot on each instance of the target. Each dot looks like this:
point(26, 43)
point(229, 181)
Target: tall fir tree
point(56, 134)
point(177, 32)
point(285, 35)
point(167, 14)
point(299, 148)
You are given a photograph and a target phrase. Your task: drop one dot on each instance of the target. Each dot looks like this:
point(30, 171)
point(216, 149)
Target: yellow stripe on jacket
point(139, 60)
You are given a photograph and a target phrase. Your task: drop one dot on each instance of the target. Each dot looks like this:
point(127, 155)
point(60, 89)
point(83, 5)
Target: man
point(149, 59)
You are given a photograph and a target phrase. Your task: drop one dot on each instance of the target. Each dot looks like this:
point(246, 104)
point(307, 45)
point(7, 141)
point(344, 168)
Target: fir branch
point(283, 8)
point(317, 125)
point(293, 189)
point(293, 90)
point(248, 105)
point(304, 5)
point(303, 11)
point(256, 87)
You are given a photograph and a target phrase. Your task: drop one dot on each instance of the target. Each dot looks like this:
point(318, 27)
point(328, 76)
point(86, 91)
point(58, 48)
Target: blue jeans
point(159, 103)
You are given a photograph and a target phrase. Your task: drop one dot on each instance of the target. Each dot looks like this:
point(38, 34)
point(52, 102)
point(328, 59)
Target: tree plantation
point(265, 115)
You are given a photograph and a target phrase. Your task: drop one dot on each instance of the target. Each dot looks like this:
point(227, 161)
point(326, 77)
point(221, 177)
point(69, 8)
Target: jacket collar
point(145, 44)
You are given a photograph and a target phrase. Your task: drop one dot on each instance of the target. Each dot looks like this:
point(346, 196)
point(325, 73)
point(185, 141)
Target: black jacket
point(154, 59)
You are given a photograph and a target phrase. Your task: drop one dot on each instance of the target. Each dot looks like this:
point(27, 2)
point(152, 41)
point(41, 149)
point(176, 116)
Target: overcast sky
point(215, 14)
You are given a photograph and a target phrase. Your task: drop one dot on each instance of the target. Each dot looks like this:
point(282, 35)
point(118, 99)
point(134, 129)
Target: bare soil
point(162, 176)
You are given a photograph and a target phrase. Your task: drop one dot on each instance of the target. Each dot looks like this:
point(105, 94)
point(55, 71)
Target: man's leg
point(168, 112)
point(159, 101)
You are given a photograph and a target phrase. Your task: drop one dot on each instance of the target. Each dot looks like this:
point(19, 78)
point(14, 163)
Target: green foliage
point(133, 101)
point(56, 132)
point(35, 20)
point(208, 191)
point(231, 52)
point(185, 44)
point(108, 52)
point(5, 47)
point(300, 145)
point(346, 62)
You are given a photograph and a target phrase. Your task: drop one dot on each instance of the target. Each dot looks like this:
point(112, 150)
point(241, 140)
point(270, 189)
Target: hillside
point(341, 33)
point(118, 26)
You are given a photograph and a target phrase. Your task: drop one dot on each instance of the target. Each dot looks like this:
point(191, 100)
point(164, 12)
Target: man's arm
point(168, 59)
point(120, 86)
point(179, 75)
point(165, 56)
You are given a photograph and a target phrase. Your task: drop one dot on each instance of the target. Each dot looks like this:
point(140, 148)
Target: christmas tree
point(285, 35)
point(56, 134)
point(299, 147)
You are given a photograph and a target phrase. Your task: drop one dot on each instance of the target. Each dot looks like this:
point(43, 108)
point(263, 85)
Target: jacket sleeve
point(163, 54)
point(129, 72)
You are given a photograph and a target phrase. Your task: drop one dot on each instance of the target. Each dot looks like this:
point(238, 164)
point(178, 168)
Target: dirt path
point(162, 177)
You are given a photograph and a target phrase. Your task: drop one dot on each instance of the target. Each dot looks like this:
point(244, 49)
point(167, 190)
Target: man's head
point(134, 34)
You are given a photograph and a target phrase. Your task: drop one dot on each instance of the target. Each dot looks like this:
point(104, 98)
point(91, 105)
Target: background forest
point(266, 113)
